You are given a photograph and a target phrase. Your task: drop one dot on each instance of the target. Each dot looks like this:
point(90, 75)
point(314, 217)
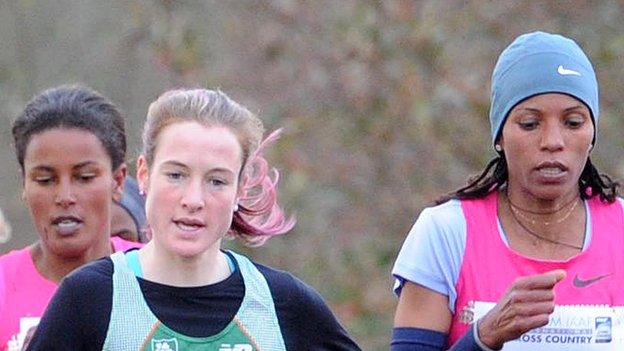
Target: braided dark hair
point(494, 176)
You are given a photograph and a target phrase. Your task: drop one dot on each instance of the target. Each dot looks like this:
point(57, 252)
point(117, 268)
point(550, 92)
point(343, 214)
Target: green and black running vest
point(134, 327)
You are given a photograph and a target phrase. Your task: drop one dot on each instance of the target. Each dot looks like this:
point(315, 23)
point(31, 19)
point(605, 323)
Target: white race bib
point(570, 328)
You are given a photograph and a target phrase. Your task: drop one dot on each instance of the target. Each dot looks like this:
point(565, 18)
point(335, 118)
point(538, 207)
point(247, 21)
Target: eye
point(575, 121)
point(217, 182)
point(86, 177)
point(174, 175)
point(528, 124)
point(43, 180)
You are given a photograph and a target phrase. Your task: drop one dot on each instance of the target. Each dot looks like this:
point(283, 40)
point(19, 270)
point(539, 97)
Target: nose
point(193, 199)
point(552, 137)
point(65, 196)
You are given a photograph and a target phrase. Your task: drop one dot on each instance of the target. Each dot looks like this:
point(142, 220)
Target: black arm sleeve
point(417, 339)
point(306, 321)
point(78, 315)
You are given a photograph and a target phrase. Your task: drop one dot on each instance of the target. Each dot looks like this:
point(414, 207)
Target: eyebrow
point(568, 109)
point(182, 165)
point(84, 164)
point(51, 169)
point(572, 108)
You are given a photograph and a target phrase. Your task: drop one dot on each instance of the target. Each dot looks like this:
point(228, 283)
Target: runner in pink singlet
point(70, 144)
point(528, 255)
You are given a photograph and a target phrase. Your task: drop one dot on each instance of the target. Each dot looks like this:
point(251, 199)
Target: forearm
point(418, 339)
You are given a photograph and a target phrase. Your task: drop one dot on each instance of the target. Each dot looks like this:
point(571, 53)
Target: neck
point(526, 202)
point(162, 266)
point(55, 267)
point(544, 236)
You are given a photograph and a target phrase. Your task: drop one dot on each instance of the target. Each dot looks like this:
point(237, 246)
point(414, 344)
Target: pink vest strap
point(489, 266)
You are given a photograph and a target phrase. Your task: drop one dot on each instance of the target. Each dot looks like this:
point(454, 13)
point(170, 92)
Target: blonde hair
point(259, 216)
point(207, 107)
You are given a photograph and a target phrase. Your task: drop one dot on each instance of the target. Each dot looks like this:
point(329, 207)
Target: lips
point(189, 224)
point(551, 170)
point(66, 225)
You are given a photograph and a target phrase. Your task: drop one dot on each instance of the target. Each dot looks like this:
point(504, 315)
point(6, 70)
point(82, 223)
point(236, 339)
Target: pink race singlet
point(24, 293)
point(594, 277)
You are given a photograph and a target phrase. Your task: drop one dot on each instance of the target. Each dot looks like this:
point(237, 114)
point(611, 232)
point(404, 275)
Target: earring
point(235, 208)
point(589, 149)
point(142, 192)
point(498, 148)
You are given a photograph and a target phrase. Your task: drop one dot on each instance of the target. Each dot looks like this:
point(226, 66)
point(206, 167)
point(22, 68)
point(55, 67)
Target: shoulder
point(15, 257)
point(438, 228)
point(285, 285)
point(16, 263)
point(446, 217)
point(433, 251)
point(79, 312)
point(93, 275)
point(306, 321)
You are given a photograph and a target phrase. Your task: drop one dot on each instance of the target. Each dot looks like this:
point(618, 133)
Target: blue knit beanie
point(134, 203)
point(537, 63)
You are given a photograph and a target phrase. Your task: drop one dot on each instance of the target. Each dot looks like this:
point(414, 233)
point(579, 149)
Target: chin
point(553, 192)
point(68, 249)
point(187, 250)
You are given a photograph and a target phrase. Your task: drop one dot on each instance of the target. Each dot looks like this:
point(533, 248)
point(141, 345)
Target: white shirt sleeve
point(432, 253)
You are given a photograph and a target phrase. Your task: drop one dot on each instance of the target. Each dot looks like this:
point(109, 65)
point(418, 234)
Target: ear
point(142, 174)
point(119, 175)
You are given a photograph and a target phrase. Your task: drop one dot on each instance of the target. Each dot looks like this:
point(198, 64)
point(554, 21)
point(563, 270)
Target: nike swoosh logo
point(581, 283)
point(567, 72)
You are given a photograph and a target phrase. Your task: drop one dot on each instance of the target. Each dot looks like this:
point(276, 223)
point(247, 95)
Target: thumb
point(557, 274)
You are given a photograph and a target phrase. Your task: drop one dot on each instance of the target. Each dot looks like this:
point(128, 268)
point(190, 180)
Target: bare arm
point(420, 307)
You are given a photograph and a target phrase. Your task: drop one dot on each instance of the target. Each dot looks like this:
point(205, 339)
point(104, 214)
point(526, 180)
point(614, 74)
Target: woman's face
point(546, 140)
point(122, 224)
point(69, 187)
point(192, 187)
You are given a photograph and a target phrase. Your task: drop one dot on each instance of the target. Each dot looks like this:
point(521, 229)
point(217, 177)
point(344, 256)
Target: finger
point(511, 312)
point(541, 281)
point(518, 326)
point(517, 296)
point(534, 308)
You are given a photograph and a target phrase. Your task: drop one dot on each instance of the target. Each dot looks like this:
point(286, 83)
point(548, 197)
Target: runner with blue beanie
point(535, 237)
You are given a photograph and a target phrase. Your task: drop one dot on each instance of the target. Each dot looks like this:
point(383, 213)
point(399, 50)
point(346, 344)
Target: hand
point(526, 305)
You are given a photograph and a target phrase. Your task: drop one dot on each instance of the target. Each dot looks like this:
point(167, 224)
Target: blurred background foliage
point(384, 106)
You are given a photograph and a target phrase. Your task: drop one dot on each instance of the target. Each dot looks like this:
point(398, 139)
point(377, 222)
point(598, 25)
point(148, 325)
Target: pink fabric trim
point(120, 244)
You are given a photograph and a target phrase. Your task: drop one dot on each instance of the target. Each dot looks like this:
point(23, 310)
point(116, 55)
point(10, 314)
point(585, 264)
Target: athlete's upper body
point(70, 144)
point(531, 231)
point(204, 178)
